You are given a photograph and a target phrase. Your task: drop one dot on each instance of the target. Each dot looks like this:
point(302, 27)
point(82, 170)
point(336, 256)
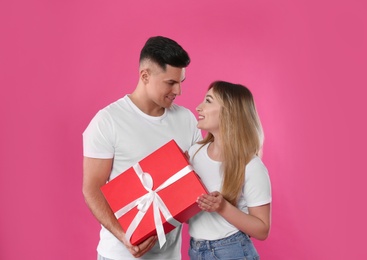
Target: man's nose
point(177, 89)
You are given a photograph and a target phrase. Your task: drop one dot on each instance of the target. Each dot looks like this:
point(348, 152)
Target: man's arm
point(95, 174)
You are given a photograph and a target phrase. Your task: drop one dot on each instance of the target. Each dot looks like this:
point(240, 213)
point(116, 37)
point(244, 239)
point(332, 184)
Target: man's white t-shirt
point(255, 192)
point(123, 132)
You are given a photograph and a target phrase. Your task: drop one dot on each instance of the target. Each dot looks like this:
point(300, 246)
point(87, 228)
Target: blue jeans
point(235, 247)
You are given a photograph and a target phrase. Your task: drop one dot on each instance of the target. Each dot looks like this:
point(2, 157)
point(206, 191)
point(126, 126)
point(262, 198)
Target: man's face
point(164, 86)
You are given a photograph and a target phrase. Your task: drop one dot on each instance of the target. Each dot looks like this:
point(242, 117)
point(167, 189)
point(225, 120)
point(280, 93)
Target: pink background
point(305, 61)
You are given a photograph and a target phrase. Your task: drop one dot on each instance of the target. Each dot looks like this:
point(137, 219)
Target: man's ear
point(144, 75)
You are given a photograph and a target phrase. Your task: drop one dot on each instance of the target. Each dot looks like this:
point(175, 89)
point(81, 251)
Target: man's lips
point(171, 97)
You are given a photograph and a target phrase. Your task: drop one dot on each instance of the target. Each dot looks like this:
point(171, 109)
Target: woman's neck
point(215, 151)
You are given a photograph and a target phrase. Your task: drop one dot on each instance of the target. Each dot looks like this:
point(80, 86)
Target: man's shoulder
point(179, 109)
point(116, 105)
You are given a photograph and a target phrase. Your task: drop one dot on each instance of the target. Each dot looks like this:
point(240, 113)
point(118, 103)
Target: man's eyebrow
point(175, 81)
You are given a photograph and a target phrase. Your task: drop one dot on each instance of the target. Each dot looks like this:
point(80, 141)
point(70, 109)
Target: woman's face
point(208, 113)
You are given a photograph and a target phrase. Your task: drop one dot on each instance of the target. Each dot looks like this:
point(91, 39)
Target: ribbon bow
point(143, 203)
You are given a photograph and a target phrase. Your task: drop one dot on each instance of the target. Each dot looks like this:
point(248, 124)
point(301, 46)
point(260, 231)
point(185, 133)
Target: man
point(128, 130)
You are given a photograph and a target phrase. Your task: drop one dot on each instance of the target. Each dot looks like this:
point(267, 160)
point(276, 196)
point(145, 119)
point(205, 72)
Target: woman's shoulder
point(194, 147)
point(197, 149)
point(256, 165)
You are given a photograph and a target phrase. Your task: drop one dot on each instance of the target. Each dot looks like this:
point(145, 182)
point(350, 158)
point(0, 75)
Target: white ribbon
point(146, 200)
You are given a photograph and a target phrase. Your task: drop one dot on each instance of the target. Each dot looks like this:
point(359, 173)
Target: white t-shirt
point(255, 192)
point(123, 132)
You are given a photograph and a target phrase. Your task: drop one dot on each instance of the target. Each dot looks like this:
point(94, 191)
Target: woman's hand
point(212, 202)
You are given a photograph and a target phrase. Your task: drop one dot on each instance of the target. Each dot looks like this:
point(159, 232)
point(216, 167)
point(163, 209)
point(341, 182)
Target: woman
point(227, 160)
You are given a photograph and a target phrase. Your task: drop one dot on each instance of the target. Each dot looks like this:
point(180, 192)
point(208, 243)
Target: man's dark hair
point(163, 51)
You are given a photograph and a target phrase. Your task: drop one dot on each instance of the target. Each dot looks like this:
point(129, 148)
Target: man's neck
point(145, 105)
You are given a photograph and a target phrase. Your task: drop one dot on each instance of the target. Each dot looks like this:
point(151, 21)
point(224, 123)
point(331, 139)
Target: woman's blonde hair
point(240, 132)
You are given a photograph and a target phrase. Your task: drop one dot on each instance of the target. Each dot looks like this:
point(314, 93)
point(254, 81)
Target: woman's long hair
point(240, 132)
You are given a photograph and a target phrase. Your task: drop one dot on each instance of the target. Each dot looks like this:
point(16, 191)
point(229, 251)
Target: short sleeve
point(98, 137)
point(257, 188)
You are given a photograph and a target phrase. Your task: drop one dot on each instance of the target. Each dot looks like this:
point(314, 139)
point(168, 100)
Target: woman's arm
point(255, 224)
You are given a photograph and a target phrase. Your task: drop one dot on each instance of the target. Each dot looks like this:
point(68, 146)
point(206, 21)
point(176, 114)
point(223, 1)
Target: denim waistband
point(209, 244)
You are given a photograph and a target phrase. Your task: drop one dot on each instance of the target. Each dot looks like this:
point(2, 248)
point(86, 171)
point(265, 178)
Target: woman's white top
point(255, 192)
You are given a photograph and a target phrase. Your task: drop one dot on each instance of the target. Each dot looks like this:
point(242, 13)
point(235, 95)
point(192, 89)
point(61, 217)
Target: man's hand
point(96, 173)
point(139, 250)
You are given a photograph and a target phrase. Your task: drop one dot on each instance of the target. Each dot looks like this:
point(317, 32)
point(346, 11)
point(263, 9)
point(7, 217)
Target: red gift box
point(165, 180)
